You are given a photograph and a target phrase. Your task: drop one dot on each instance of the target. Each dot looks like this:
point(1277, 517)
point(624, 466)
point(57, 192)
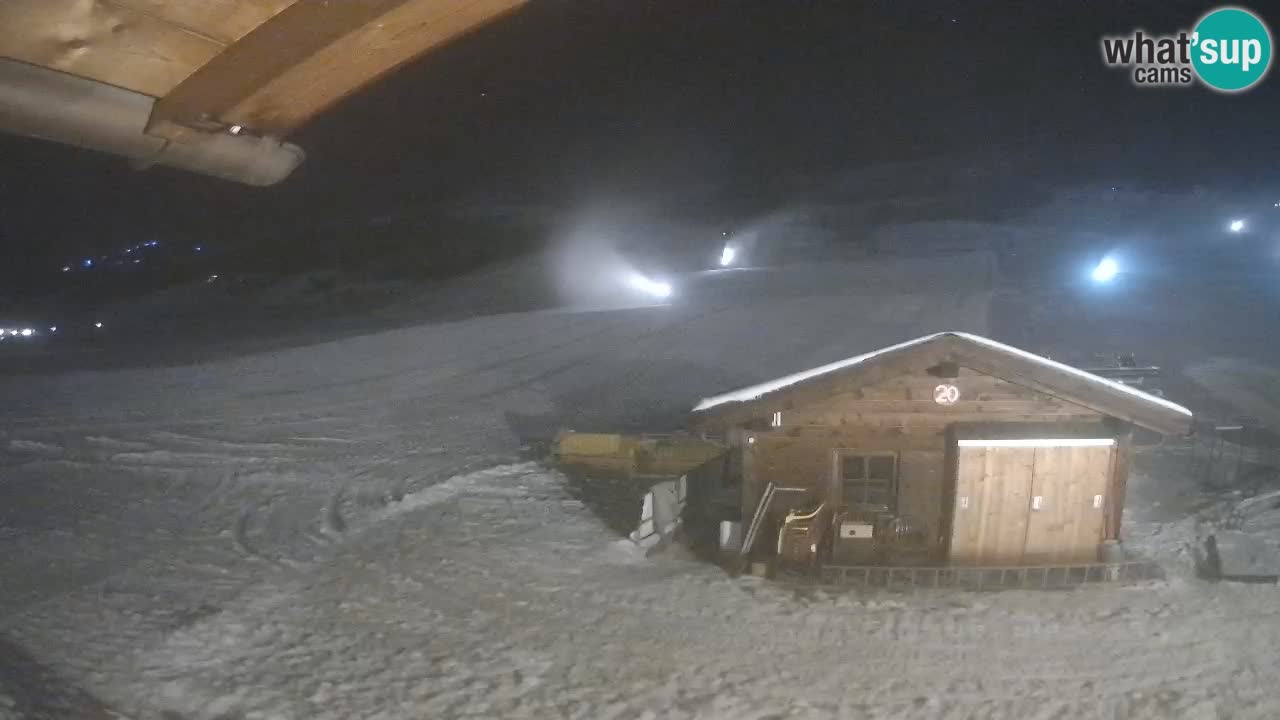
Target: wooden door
point(1029, 502)
point(1068, 524)
point(993, 493)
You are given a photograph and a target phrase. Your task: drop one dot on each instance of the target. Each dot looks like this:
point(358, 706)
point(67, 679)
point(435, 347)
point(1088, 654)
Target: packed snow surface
point(351, 530)
point(496, 595)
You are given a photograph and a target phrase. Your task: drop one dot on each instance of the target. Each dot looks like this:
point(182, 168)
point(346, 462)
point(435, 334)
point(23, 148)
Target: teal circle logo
point(1231, 49)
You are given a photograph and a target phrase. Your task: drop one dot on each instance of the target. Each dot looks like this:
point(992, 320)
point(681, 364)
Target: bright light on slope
point(26, 332)
point(1237, 226)
point(652, 287)
point(1106, 270)
point(727, 255)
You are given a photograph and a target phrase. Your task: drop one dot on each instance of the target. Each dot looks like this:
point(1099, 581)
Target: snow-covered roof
point(755, 392)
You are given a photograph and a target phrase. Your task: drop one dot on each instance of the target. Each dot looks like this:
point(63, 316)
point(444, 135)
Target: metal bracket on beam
point(51, 105)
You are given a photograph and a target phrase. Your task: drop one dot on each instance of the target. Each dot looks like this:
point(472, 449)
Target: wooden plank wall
point(808, 460)
point(1068, 527)
point(895, 415)
point(983, 398)
point(992, 529)
point(1056, 481)
point(966, 526)
point(999, 527)
point(921, 487)
point(1119, 487)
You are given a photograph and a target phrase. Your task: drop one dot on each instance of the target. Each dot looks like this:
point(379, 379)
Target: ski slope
point(353, 529)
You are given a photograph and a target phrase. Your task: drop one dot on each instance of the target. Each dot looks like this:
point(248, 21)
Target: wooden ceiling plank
point(272, 49)
point(223, 20)
point(373, 51)
point(103, 42)
point(310, 56)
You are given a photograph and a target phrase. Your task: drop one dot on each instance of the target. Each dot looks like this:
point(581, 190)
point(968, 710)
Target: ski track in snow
point(339, 531)
point(497, 595)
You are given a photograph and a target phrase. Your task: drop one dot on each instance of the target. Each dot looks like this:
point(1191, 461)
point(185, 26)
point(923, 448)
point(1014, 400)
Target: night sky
point(725, 102)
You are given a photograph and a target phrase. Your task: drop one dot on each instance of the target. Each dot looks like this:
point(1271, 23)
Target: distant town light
point(236, 129)
point(97, 324)
point(53, 328)
point(27, 332)
point(66, 268)
point(1237, 226)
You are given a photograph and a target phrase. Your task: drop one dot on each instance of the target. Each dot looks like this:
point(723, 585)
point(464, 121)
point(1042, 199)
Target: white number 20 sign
point(946, 394)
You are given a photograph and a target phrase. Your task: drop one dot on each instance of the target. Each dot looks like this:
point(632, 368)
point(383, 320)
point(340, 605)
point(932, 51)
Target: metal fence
point(1044, 577)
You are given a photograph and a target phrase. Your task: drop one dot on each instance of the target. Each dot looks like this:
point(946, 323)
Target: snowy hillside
point(136, 504)
point(351, 530)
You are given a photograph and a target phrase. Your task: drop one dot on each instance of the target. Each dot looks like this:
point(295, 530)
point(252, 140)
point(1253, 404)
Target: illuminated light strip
point(1040, 442)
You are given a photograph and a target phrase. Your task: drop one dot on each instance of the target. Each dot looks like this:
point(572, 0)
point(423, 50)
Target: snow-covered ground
point(496, 595)
point(351, 529)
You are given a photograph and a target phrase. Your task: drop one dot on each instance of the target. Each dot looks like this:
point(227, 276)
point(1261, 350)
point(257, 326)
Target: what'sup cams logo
point(1229, 50)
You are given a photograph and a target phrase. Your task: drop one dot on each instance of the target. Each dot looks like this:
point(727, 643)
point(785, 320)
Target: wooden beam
point(311, 55)
point(225, 21)
point(1003, 429)
point(98, 40)
point(1119, 486)
point(752, 488)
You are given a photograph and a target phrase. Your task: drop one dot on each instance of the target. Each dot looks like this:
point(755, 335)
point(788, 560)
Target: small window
point(869, 482)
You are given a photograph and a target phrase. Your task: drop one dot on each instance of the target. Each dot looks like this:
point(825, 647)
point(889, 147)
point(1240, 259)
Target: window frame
point(839, 480)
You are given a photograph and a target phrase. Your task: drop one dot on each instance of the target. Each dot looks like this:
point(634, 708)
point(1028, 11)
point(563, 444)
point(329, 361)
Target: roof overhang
point(254, 68)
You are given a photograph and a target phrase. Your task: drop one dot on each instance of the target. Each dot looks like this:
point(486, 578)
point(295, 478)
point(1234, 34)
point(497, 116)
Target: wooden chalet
point(950, 449)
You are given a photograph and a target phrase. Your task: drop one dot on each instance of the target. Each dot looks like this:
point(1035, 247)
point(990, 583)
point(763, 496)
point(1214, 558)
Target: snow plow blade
point(634, 455)
point(641, 485)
